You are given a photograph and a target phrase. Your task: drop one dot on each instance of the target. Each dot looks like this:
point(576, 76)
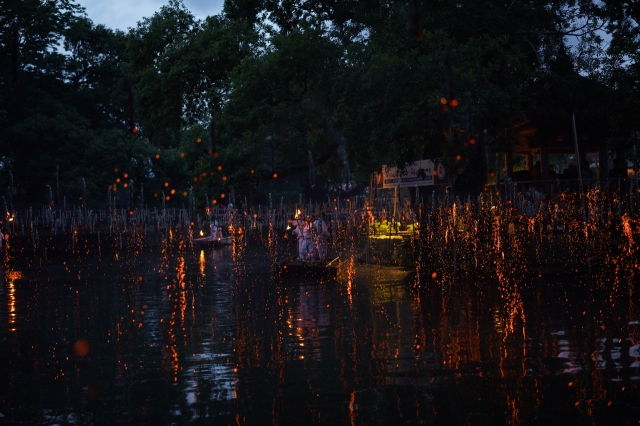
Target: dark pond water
point(207, 337)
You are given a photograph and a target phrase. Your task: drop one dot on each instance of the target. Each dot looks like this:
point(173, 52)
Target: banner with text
point(419, 173)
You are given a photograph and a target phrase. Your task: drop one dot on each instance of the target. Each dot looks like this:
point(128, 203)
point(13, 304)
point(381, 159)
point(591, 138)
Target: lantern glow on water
point(541, 296)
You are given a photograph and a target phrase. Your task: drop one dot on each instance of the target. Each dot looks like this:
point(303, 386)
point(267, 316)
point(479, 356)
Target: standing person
point(585, 170)
point(322, 232)
point(297, 231)
point(214, 231)
point(619, 172)
point(304, 232)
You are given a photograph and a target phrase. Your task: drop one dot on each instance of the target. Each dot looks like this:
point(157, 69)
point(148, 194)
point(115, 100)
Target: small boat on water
point(294, 268)
point(207, 242)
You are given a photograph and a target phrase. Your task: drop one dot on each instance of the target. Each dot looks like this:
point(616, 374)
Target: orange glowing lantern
point(454, 103)
point(443, 101)
point(155, 194)
point(198, 140)
point(252, 171)
point(472, 141)
point(81, 348)
point(221, 195)
point(219, 167)
point(214, 201)
point(166, 184)
point(182, 154)
point(157, 156)
point(126, 175)
point(167, 198)
point(434, 275)
point(275, 176)
point(195, 179)
point(117, 180)
point(185, 193)
point(173, 191)
point(125, 185)
point(224, 178)
point(134, 130)
point(458, 157)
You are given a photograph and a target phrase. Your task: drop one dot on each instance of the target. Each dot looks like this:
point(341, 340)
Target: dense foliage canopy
point(296, 96)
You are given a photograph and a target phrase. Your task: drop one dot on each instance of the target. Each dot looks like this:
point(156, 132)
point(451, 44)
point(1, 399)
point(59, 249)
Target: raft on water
point(295, 268)
point(207, 242)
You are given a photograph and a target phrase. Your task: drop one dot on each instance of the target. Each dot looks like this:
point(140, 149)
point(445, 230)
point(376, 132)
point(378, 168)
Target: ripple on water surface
point(172, 338)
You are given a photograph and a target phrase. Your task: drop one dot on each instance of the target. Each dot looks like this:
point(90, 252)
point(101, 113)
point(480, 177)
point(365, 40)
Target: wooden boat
point(294, 268)
point(207, 242)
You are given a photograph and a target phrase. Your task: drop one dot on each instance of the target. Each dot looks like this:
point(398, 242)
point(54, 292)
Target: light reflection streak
point(202, 263)
point(12, 303)
point(475, 322)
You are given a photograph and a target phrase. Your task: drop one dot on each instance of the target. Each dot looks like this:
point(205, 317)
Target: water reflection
point(179, 334)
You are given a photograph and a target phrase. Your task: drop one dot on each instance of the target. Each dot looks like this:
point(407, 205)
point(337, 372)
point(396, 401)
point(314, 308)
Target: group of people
point(312, 237)
point(619, 171)
point(216, 232)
